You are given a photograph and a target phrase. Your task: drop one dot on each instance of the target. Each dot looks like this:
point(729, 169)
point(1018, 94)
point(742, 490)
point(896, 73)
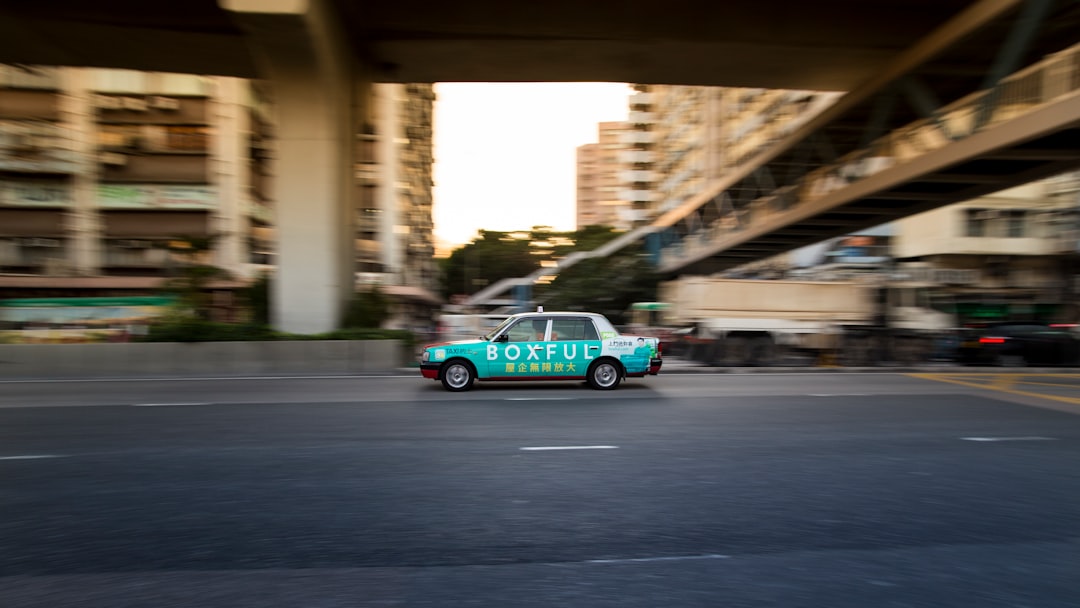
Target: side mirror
point(503, 338)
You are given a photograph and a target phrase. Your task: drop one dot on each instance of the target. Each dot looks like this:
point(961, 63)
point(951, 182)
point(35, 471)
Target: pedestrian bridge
point(1024, 127)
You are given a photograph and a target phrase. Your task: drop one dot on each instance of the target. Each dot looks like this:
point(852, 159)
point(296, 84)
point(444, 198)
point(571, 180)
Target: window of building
point(1016, 223)
point(975, 221)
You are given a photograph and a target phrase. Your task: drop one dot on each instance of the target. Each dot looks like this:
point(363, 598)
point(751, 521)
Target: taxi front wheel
point(604, 375)
point(457, 376)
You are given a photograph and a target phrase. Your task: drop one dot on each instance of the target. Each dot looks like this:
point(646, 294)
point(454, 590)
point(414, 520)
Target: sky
point(505, 153)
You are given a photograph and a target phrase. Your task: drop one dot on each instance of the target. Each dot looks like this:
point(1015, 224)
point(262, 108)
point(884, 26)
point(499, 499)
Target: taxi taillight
point(991, 340)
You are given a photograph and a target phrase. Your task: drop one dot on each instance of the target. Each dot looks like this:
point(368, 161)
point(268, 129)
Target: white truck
point(762, 322)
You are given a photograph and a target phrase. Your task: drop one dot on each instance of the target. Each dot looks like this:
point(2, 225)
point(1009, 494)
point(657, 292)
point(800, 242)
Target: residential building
point(394, 232)
point(685, 137)
point(106, 175)
point(103, 172)
point(599, 168)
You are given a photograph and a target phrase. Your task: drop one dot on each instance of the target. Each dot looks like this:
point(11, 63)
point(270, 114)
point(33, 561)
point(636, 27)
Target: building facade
point(103, 171)
point(1010, 255)
point(108, 178)
point(599, 173)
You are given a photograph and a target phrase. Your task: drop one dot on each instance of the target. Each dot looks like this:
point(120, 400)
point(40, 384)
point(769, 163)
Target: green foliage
point(604, 285)
point(367, 309)
point(258, 298)
point(489, 258)
point(194, 329)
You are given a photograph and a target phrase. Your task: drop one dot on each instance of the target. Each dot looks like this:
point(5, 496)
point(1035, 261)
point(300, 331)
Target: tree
point(489, 258)
point(368, 309)
point(604, 285)
point(192, 278)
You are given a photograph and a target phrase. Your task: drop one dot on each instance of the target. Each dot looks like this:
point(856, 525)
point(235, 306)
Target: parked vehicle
point(544, 346)
point(761, 322)
point(1020, 344)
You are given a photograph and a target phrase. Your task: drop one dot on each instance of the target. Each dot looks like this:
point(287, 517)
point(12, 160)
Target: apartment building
point(103, 171)
point(394, 231)
point(599, 173)
point(104, 174)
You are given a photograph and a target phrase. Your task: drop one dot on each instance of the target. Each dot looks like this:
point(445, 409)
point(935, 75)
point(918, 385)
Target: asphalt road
point(834, 490)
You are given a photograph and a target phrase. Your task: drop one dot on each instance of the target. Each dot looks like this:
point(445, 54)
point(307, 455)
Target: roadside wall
point(159, 359)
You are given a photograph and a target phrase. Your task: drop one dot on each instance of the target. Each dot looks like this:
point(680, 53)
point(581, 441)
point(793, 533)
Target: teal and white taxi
point(544, 346)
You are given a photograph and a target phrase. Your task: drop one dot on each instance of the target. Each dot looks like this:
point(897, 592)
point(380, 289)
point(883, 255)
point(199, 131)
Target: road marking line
point(569, 447)
point(672, 558)
point(538, 399)
point(32, 457)
point(838, 395)
point(1009, 438)
point(169, 404)
point(988, 387)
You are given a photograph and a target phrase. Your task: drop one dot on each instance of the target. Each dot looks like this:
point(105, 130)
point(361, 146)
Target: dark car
point(1019, 344)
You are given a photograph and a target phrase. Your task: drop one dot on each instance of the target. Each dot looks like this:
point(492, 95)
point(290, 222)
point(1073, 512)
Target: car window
point(522, 331)
point(573, 329)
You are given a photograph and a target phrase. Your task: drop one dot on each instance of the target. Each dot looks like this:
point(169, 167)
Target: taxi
point(544, 346)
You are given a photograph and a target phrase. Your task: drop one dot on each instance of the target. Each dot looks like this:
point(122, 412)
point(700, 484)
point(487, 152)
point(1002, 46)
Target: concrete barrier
point(158, 359)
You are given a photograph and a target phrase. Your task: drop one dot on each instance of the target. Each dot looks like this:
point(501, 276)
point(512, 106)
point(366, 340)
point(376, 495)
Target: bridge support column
point(317, 94)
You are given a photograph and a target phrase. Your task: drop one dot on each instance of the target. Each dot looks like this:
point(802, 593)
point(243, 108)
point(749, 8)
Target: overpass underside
point(892, 148)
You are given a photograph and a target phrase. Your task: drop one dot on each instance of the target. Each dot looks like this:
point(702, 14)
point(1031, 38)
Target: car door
point(574, 344)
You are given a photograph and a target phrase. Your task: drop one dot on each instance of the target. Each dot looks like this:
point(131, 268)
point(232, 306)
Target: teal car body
point(544, 346)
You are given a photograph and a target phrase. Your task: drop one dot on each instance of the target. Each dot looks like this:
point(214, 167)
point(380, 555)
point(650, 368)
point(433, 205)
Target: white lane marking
point(32, 457)
point(538, 399)
point(838, 395)
point(569, 447)
point(169, 404)
point(1009, 438)
point(671, 558)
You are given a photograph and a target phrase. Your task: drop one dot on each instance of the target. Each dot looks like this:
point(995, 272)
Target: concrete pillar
point(304, 54)
point(83, 219)
point(230, 160)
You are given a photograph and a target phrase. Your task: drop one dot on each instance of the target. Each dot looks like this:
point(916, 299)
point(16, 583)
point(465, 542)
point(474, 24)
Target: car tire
point(457, 375)
point(604, 375)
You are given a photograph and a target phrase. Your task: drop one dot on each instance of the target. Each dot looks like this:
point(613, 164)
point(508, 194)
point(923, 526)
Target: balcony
point(642, 99)
point(630, 157)
point(637, 137)
point(638, 196)
point(135, 254)
point(641, 118)
point(637, 177)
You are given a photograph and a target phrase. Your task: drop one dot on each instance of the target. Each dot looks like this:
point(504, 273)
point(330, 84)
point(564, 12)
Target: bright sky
point(504, 153)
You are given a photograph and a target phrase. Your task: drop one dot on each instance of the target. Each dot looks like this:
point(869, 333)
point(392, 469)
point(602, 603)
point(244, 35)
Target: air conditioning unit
point(113, 159)
point(136, 104)
point(165, 103)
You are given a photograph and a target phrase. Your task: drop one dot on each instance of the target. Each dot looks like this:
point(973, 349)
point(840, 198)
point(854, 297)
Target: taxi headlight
point(424, 357)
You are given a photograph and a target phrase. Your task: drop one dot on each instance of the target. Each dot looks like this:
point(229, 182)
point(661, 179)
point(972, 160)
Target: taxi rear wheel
point(604, 374)
point(457, 375)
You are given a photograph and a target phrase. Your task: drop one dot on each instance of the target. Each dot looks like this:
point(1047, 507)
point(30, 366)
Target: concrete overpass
point(319, 56)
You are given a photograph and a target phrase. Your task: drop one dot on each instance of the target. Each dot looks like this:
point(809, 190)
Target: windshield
point(491, 334)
